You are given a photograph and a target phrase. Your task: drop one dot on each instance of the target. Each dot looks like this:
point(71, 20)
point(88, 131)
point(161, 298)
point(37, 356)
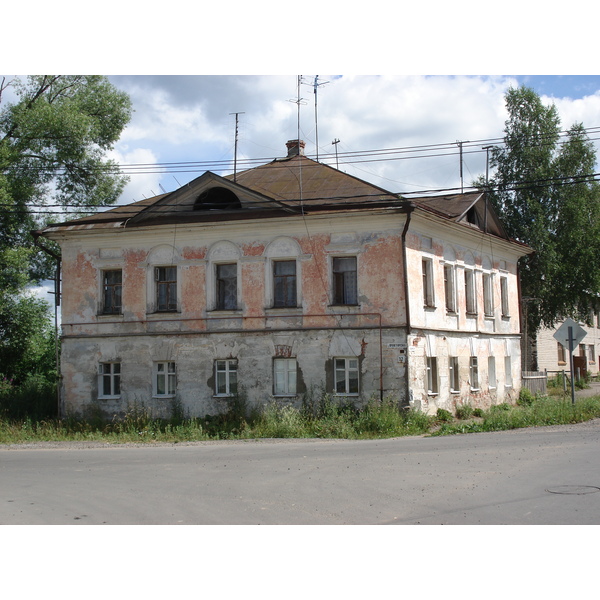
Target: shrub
point(464, 411)
point(443, 415)
point(526, 397)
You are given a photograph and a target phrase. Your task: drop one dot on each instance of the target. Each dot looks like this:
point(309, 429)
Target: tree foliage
point(544, 192)
point(55, 133)
point(53, 142)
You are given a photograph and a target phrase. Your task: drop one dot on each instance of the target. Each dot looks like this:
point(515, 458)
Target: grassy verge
point(327, 419)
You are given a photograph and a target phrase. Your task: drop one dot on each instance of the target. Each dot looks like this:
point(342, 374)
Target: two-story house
point(288, 279)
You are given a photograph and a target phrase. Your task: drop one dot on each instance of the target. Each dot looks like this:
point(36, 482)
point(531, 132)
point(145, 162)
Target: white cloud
point(188, 118)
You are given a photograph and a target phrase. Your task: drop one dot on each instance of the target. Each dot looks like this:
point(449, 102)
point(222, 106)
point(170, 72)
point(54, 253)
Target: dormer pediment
point(205, 198)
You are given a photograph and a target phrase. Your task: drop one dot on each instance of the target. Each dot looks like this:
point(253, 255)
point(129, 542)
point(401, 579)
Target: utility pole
point(235, 144)
point(487, 164)
point(335, 143)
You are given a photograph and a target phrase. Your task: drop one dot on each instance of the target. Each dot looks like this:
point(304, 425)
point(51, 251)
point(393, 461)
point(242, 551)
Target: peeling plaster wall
point(314, 332)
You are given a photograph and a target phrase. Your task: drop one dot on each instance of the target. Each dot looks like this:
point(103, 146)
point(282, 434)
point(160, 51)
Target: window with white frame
point(284, 376)
point(432, 375)
point(165, 379)
point(492, 372)
point(508, 382)
point(166, 288)
point(226, 288)
point(470, 298)
point(504, 296)
point(428, 293)
point(454, 375)
point(109, 380)
point(346, 376)
point(226, 377)
point(345, 285)
point(112, 291)
point(284, 284)
point(474, 373)
point(450, 288)
point(488, 295)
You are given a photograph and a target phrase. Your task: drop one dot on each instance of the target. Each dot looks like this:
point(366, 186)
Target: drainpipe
point(36, 240)
point(409, 210)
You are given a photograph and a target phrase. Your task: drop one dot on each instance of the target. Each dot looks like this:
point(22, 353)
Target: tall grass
point(327, 418)
point(540, 412)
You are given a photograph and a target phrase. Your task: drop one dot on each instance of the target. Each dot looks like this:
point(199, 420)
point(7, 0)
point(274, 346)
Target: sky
point(418, 119)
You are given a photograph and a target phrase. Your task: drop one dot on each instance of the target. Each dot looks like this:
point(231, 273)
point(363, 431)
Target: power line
point(517, 186)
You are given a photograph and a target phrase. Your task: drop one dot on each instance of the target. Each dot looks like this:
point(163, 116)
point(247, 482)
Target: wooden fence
point(535, 381)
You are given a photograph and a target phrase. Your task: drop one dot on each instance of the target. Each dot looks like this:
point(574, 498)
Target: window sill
point(109, 397)
point(433, 393)
point(455, 391)
point(163, 396)
point(224, 311)
point(294, 310)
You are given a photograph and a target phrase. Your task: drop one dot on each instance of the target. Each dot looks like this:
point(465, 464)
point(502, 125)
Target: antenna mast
point(316, 87)
point(235, 144)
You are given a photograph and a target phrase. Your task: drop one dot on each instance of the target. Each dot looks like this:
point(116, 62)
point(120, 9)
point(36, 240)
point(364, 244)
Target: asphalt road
point(534, 476)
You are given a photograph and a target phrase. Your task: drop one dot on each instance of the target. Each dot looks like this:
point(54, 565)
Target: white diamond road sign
point(577, 333)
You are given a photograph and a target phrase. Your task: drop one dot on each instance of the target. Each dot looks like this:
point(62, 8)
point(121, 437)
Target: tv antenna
point(299, 101)
point(235, 144)
point(316, 85)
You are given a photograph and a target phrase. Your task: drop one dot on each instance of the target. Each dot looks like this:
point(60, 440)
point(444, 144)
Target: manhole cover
point(577, 490)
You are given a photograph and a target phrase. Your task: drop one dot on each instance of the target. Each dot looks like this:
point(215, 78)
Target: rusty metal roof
point(284, 187)
point(301, 180)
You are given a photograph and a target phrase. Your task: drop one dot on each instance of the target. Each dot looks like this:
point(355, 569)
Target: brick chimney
point(295, 147)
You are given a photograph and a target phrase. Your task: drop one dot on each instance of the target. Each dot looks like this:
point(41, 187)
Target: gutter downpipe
point(36, 235)
point(410, 208)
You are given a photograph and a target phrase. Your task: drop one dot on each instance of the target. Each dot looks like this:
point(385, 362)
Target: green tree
point(26, 329)
point(54, 137)
point(53, 142)
point(544, 192)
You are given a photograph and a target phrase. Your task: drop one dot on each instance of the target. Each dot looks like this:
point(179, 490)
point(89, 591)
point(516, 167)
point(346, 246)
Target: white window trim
point(474, 373)
point(454, 376)
point(431, 368)
point(470, 292)
point(288, 362)
point(228, 370)
point(347, 371)
point(112, 375)
point(428, 283)
point(488, 295)
point(504, 297)
point(450, 288)
point(168, 376)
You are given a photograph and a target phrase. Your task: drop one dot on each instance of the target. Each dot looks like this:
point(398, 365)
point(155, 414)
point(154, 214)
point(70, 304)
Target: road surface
point(548, 475)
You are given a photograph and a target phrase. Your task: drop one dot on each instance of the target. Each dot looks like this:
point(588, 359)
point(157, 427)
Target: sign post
point(570, 334)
